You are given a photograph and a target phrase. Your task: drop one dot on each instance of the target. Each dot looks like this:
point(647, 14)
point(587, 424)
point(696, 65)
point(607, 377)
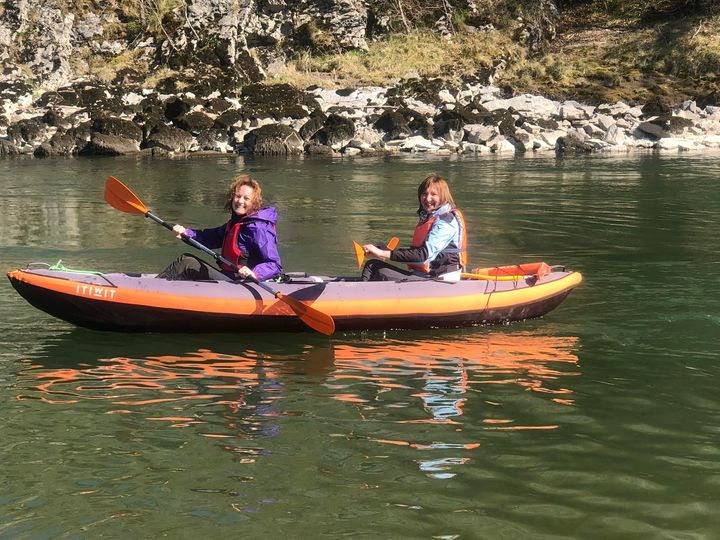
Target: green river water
point(600, 420)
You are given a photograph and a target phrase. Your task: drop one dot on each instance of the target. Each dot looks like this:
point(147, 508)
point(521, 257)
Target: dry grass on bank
point(605, 63)
point(679, 59)
point(599, 55)
point(398, 57)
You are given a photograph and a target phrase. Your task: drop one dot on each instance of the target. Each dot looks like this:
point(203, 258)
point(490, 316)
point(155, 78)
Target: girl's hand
point(371, 249)
point(245, 272)
point(179, 230)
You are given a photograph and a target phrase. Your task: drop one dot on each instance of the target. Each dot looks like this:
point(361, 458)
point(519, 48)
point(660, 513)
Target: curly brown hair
point(237, 183)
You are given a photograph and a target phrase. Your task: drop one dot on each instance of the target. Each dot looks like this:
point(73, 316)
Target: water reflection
point(526, 359)
point(450, 392)
point(438, 396)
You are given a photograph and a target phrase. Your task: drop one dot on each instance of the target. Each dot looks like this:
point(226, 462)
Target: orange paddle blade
point(121, 197)
point(317, 320)
point(359, 253)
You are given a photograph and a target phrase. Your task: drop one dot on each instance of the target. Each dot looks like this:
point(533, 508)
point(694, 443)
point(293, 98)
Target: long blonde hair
point(442, 186)
point(237, 183)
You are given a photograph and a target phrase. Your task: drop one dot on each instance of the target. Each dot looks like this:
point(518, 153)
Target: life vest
point(230, 249)
point(422, 230)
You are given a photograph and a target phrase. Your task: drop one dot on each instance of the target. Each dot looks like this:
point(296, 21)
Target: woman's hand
point(371, 249)
point(179, 230)
point(245, 273)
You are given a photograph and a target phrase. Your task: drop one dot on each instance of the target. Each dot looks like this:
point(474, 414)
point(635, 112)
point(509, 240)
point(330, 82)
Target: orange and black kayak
point(144, 303)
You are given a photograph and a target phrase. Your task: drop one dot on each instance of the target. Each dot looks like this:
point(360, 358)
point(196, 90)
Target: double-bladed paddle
point(120, 197)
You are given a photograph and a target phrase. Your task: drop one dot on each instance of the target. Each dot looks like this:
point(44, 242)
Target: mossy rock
point(169, 138)
point(666, 125)
point(710, 95)
point(109, 145)
point(212, 139)
point(63, 143)
point(55, 119)
point(82, 133)
point(425, 90)
point(417, 122)
point(394, 124)
point(276, 101)
point(194, 122)
point(313, 148)
point(658, 105)
point(48, 99)
point(217, 105)
point(178, 106)
point(110, 125)
point(97, 97)
point(274, 140)
point(453, 120)
point(27, 130)
point(312, 126)
point(14, 89)
point(228, 119)
point(337, 130)
point(8, 149)
point(501, 118)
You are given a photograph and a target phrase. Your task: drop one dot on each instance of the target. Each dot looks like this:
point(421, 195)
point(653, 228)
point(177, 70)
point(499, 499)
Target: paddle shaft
point(219, 258)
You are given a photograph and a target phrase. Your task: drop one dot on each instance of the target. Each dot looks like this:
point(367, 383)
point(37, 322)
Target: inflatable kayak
point(144, 303)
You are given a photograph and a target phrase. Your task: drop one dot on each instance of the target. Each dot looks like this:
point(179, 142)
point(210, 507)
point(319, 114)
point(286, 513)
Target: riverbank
point(316, 79)
point(415, 116)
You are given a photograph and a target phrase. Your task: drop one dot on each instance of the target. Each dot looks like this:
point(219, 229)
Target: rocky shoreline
point(415, 116)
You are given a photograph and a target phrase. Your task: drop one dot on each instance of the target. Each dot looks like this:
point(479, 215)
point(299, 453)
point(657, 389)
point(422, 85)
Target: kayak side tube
point(143, 303)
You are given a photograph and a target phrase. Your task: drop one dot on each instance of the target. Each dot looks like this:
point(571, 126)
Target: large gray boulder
point(665, 125)
point(274, 140)
point(62, 143)
point(394, 124)
point(109, 145)
point(336, 132)
point(194, 122)
point(169, 138)
point(120, 127)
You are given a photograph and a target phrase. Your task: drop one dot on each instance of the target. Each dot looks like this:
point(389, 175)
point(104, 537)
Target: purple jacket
point(257, 241)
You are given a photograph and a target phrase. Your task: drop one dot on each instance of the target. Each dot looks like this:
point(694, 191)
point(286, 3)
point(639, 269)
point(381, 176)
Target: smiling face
point(431, 199)
point(244, 196)
point(243, 200)
point(434, 192)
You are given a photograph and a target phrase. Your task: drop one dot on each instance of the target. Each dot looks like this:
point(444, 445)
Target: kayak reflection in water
point(248, 239)
point(439, 242)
